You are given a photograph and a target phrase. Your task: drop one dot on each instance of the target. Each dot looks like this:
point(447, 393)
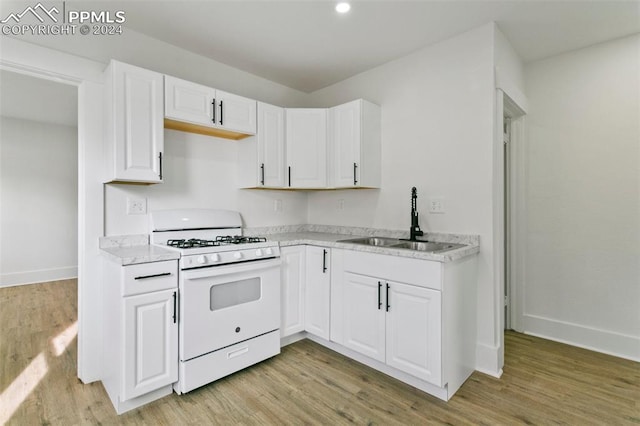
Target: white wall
point(203, 186)
point(437, 135)
point(38, 201)
point(583, 233)
point(200, 172)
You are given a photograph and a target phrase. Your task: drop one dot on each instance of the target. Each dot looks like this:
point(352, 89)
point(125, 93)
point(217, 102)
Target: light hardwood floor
point(543, 383)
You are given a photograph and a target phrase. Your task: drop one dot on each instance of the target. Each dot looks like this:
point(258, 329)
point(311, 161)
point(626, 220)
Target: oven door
point(223, 305)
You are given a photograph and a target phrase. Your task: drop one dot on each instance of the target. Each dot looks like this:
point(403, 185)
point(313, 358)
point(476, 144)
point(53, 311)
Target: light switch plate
point(436, 205)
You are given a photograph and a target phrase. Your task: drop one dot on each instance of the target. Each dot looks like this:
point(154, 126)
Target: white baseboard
point(608, 342)
point(39, 276)
point(488, 360)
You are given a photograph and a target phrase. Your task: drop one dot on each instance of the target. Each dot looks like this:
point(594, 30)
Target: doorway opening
point(513, 178)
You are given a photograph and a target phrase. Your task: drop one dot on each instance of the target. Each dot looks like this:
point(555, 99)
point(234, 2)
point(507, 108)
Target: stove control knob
point(201, 260)
point(268, 251)
point(258, 253)
point(215, 257)
point(237, 255)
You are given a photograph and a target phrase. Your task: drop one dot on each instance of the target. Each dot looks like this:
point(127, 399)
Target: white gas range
point(229, 293)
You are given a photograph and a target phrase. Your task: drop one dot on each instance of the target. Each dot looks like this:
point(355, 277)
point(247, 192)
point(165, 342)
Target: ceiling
point(306, 45)
point(31, 98)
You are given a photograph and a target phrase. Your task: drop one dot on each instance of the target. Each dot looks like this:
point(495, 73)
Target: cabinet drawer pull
point(324, 261)
point(144, 277)
point(379, 295)
point(388, 305)
point(262, 173)
point(238, 352)
point(289, 175)
point(213, 103)
point(355, 178)
point(221, 113)
point(160, 160)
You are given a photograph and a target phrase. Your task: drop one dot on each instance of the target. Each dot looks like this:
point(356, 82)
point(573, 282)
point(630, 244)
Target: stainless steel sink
point(372, 241)
point(427, 246)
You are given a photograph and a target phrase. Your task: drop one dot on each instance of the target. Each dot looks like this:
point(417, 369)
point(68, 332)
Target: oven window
point(234, 293)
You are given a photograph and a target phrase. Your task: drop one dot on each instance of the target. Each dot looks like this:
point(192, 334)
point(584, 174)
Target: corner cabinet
point(200, 109)
point(354, 145)
point(140, 332)
point(134, 124)
point(406, 316)
point(317, 303)
point(306, 147)
point(293, 290)
point(261, 159)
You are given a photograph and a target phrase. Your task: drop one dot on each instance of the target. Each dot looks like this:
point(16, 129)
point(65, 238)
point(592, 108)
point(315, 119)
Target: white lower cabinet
point(413, 326)
point(140, 332)
point(407, 316)
point(150, 343)
point(317, 291)
point(292, 290)
point(363, 316)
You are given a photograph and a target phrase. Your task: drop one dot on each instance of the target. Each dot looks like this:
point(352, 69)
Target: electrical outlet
point(436, 205)
point(136, 206)
point(277, 206)
point(340, 204)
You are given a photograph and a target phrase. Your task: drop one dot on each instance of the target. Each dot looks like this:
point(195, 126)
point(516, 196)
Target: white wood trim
point(608, 342)
point(518, 99)
point(487, 358)
point(518, 221)
point(38, 276)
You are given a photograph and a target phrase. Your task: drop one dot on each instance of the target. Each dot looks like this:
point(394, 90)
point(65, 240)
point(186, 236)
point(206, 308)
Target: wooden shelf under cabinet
point(203, 130)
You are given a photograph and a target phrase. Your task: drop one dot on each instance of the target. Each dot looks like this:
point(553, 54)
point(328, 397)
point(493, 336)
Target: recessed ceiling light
point(343, 7)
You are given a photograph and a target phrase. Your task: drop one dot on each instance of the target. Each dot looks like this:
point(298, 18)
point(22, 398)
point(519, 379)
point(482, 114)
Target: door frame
point(508, 101)
point(41, 62)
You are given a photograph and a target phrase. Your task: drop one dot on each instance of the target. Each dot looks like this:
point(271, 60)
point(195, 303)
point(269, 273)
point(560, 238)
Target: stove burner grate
point(237, 239)
point(192, 243)
point(219, 241)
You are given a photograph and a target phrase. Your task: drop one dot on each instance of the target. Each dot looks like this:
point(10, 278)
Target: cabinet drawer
point(148, 277)
point(422, 273)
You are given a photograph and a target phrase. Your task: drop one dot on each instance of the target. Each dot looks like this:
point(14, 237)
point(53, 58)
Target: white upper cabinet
point(306, 152)
point(134, 124)
point(354, 145)
point(189, 102)
point(236, 113)
point(200, 109)
point(261, 159)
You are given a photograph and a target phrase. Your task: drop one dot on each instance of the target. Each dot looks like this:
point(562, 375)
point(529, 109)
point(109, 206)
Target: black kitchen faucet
point(414, 231)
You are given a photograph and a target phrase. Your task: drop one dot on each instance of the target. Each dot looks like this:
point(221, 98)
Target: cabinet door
point(189, 102)
point(150, 343)
point(306, 135)
point(317, 292)
point(413, 331)
point(292, 292)
point(270, 145)
point(137, 123)
point(345, 125)
point(236, 113)
point(364, 315)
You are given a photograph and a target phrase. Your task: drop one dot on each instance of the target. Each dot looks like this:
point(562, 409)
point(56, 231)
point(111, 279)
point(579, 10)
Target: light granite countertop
point(331, 240)
point(134, 249)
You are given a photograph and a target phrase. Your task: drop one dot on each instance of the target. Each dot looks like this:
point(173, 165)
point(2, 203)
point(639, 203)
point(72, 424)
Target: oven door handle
point(234, 268)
